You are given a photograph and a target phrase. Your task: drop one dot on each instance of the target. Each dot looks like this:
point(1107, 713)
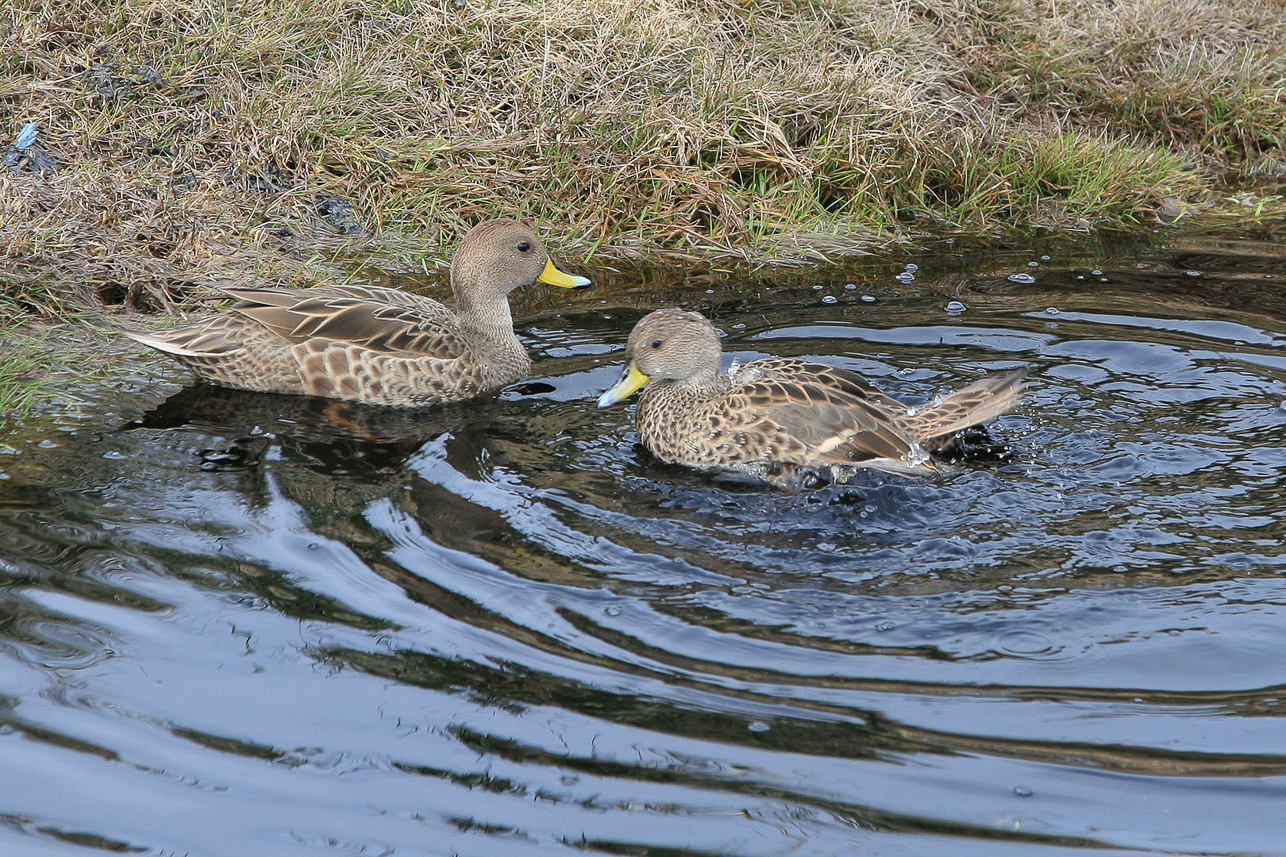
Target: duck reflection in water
point(358, 442)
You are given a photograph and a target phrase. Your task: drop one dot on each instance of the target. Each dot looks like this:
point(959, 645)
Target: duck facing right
point(783, 420)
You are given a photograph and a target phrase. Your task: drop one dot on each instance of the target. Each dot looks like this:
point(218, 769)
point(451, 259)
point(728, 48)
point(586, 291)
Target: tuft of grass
point(200, 140)
point(25, 379)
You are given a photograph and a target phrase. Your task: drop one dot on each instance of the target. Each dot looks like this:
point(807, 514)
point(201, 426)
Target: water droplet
point(1023, 791)
point(1021, 278)
point(956, 306)
point(910, 412)
point(829, 299)
point(868, 299)
point(1052, 310)
point(1193, 273)
point(758, 726)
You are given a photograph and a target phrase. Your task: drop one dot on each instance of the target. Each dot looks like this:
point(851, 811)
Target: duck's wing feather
point(834, 413)
point(382, 320)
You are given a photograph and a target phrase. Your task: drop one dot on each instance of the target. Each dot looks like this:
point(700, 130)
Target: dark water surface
point(254, 625)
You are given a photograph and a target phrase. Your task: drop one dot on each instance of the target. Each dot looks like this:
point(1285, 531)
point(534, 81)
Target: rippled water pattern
point(257, 625)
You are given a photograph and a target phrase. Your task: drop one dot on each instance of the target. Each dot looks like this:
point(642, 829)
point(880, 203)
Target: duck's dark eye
point(523, 246)
point(656, 343)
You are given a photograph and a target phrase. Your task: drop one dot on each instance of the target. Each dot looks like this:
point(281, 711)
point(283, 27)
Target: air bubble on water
point(758, 726)
point(1193, 273)
point(868, 299)
point(1044, 258)
point(829, 299)
point(885, 626)
point(912, 267)
point(817, 288)
point(1051, 310)
point(1023, 791)
point(905, 277)
point(1096, 272)
point(1021, 278)
point(910, 412)
point(613, 611)
point(709, 291)
point(956, 306)
point(1080, 276)
point(741, 325)
point(850, 286)
point(1033, 264)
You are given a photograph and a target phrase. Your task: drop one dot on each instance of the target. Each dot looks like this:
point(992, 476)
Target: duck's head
point(501, 255)
point(667, 345)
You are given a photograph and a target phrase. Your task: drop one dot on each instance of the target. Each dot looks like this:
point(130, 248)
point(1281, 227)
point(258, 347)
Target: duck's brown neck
point(482, 310)
point(699, 387)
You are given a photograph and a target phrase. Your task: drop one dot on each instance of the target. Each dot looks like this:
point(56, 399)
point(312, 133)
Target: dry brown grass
point(197, 136)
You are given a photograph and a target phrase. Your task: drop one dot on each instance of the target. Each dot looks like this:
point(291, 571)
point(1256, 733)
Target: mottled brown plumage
point(777, 419)
point(375, 345)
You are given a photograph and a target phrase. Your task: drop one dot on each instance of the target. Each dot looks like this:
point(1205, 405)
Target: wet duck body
point(781, 419)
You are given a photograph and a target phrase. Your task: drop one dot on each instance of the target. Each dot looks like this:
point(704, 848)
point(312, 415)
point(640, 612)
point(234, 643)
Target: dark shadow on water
point(343, 439)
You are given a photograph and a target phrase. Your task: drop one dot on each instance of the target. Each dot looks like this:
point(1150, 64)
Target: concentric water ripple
point(264, 625)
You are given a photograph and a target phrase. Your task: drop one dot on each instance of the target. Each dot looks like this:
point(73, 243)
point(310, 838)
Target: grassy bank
point(225, 141)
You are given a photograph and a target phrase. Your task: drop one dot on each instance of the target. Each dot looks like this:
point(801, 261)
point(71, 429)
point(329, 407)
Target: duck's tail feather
point(160, 343)
point(937, 423)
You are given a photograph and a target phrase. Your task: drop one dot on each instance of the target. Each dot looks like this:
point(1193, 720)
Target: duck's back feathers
point(365, 344)
point(832, 412)
point(384, 320)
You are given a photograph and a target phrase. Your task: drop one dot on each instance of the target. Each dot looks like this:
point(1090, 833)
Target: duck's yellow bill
point(556, 276)
point(630, 381)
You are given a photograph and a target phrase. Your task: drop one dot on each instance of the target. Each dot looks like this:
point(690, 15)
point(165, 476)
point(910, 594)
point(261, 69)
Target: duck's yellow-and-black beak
point(556, 276)
point(630, 381)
